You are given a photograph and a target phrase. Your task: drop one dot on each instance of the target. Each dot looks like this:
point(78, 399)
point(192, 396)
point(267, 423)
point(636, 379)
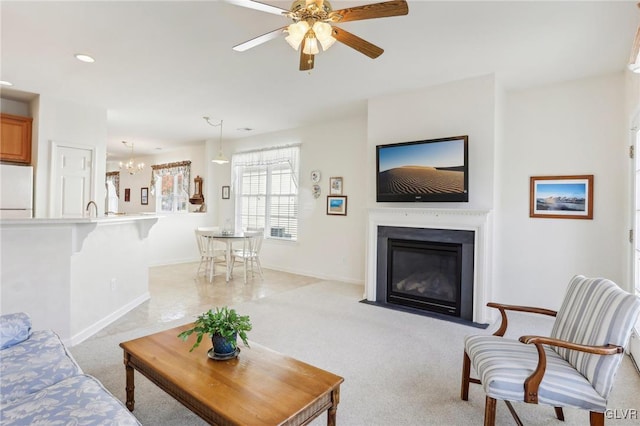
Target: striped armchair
point(574, 367)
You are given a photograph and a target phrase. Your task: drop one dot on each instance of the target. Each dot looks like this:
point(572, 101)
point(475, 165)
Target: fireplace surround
point(476, 221)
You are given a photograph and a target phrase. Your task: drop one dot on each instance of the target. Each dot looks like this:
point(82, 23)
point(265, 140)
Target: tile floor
point(177, 293)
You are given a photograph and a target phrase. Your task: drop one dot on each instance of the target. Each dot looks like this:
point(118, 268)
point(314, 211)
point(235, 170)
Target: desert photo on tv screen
point(422, 168)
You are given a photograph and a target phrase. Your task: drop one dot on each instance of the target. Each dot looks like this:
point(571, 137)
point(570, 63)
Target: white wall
point(172, 239)
point(199, 167)
point(632, 91)
point(109, 277)
point(331, 247)
point(36, 275)
point(576, 127)
point(327, 246)
point(73, 278)
point(9, 106)
point(465, 107)
point(60, 121)
point(572, 128)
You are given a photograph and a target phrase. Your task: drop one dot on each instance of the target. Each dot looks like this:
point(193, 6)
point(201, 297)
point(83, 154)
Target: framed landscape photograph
point(561, 197)
point(337, 205)
point(144, 196)
point(335, 186)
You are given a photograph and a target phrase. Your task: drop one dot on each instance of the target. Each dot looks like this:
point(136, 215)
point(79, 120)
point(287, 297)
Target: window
point(266, 191)
point(170, 186)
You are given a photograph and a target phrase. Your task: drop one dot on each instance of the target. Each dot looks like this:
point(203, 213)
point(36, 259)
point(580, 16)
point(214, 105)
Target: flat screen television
point(434, 170)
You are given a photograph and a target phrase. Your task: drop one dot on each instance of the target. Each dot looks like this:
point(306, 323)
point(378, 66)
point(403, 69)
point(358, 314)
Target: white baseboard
point(327, 277)
point(278, 268)
point(99, 325)
point(166, 262)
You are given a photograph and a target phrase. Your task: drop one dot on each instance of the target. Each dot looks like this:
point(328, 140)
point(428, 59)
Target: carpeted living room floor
point(399, 368)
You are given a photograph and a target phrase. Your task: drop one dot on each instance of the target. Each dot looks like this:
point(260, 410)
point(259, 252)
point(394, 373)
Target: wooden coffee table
point(259, 387)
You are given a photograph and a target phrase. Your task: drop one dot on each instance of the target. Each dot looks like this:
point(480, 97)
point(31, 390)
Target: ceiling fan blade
point(635, 50)
point(369, 11)
point(306, 61)
point(357, 43)
point(252, 4)
point(259, 40)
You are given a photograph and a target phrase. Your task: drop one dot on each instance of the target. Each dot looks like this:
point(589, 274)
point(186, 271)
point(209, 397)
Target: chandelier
point(131, 166)
point(220, 158)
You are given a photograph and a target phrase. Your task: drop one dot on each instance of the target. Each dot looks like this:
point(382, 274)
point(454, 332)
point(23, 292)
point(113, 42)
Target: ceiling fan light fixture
point(313, 24)
point(311, 46)
point(323, 34)
point(296, 31)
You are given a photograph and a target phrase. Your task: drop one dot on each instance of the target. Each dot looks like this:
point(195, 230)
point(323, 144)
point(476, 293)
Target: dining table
point(228, 238)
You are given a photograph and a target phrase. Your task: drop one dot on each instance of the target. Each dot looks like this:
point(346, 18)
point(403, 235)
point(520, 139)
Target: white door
point(634, 344)
point(72, 171)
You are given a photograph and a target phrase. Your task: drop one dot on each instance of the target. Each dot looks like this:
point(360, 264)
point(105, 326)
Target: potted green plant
point(224, 325)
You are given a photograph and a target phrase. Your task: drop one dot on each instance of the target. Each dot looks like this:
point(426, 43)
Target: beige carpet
point(399, 368)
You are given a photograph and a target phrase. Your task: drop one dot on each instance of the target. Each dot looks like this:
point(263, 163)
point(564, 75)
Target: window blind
point(266, 183)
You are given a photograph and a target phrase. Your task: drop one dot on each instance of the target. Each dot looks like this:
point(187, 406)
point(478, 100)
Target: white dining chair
point(249, 255)
point(210, 251)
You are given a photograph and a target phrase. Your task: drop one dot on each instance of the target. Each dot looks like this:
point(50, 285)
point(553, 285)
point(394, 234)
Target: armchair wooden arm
point(503, 313)
point(532, 383)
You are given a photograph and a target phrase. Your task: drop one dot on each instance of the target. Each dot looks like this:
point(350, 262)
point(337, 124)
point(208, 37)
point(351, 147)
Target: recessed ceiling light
point(5, 83)
point(84, 58)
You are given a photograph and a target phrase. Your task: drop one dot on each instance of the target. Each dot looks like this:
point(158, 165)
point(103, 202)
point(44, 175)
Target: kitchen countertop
point(78, 220)
point(80, 227)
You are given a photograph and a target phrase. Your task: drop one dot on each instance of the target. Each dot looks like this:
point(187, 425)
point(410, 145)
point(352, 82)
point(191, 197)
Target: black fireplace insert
point(426, 270)
point(424, 275)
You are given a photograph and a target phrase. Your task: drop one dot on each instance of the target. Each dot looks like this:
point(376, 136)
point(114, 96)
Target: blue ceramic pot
point(220, 345)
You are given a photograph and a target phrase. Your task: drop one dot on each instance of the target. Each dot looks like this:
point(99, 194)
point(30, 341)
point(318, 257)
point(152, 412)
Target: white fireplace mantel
point(478, 221)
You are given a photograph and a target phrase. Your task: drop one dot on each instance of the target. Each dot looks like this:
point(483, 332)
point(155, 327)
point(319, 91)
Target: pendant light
point(219, 158)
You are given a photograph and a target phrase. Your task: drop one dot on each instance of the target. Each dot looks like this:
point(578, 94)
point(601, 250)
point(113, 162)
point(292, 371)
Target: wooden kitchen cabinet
point(15, 139)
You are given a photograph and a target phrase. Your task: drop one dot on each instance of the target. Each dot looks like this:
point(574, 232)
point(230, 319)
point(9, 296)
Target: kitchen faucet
point(94, 205)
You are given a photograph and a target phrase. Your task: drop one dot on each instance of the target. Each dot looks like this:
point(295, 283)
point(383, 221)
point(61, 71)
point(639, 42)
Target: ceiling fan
point(313, 24)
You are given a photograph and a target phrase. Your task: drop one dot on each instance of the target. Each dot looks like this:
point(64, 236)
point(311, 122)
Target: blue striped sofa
point(41, 383)
point(574, 367)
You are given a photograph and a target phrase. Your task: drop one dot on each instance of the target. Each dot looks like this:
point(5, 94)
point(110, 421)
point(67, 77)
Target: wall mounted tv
point(434, 170)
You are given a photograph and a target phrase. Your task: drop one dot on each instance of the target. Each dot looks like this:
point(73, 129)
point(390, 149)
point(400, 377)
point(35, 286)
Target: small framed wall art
point(127, 195)
point(337, 205)
point(144, 196)
point(226, 192)
point(561, 197)
point(335, 185)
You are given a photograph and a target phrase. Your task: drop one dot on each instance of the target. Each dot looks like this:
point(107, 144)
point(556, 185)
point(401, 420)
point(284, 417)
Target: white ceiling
point(161, 66)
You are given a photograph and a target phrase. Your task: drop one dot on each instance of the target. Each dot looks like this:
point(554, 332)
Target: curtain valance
point(114, 177)
point(287, 154)
point(178, 168)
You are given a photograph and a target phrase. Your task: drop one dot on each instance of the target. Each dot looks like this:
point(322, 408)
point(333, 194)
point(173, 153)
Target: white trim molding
point(479, 221)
